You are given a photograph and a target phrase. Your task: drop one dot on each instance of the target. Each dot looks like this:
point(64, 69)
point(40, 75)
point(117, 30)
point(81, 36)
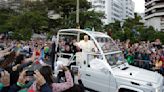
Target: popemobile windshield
point(101, 63)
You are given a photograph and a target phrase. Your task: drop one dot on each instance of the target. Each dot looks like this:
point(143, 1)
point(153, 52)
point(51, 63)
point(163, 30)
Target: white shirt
point(26, 48)
point(53, 39)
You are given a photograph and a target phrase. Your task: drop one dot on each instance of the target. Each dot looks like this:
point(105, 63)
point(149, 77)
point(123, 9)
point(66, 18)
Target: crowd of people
point(27, 66)
point(145, 54)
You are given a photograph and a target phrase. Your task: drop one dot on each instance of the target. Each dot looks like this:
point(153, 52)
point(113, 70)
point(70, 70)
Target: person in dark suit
point(52, 54)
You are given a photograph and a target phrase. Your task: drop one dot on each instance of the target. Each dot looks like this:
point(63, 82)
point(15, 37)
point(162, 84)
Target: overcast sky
point(139, 6)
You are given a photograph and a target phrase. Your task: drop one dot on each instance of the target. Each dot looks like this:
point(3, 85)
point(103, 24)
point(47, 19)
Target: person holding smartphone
point(21, 83)
point(47, 73)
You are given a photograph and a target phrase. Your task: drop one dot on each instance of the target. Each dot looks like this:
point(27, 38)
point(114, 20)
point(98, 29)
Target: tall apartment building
point(12, 4)
point(15, 4)
point(114, 9)
point(128, 9)
point(33, 0)
point(3, 3)
point(154, 14)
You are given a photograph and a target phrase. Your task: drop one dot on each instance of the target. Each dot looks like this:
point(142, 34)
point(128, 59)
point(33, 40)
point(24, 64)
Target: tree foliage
point(5, 14)
point(134, 30)
point(67, 10)
point(33, 17)
point(26, 23)
point(66, 6)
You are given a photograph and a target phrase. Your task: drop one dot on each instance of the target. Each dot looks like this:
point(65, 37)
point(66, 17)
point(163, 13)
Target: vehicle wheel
point(126, 90)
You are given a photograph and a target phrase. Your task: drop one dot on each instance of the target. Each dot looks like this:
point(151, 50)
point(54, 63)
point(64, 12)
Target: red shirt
point(162, 59)
point(37, 53)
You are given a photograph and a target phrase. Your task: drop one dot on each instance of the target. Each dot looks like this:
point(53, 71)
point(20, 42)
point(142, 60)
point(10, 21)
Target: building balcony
point(150, 2)
point(154, 15)
point(162, 22)
point(160, 5)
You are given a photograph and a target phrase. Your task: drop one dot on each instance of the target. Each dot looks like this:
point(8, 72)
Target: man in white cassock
point(87, 45)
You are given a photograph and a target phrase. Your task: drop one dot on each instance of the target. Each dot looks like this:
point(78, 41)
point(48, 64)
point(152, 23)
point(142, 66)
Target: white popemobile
point(106, 69)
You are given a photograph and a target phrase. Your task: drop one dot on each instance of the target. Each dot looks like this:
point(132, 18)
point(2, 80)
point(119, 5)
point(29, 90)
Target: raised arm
point(31, 58)
point(59, 87)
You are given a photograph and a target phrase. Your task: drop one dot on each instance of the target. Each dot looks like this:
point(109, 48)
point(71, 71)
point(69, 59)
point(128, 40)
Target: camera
point(75, 69)
point(30, 73)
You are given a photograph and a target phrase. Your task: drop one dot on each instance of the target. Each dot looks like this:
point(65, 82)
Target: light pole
point(121, 24)
point(77, 14)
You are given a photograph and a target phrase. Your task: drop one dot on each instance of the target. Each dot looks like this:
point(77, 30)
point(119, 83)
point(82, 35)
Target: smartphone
point(75, 69)
point(30, 73)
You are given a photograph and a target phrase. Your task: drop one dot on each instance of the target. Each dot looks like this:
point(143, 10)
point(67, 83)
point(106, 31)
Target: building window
point(103, 2)
point(117, 5)
point(116, 15)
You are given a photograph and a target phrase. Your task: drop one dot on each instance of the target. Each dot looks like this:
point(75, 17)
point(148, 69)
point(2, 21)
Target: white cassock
point(87, 46)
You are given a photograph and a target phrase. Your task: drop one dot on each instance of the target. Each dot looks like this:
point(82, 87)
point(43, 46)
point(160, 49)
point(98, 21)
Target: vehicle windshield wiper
point(125, 68)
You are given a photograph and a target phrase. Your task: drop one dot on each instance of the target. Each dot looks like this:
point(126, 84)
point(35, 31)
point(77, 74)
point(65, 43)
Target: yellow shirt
point(158, 64)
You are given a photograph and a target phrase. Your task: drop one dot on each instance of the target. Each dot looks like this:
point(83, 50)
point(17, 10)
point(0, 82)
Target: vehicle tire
point(126, 90)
